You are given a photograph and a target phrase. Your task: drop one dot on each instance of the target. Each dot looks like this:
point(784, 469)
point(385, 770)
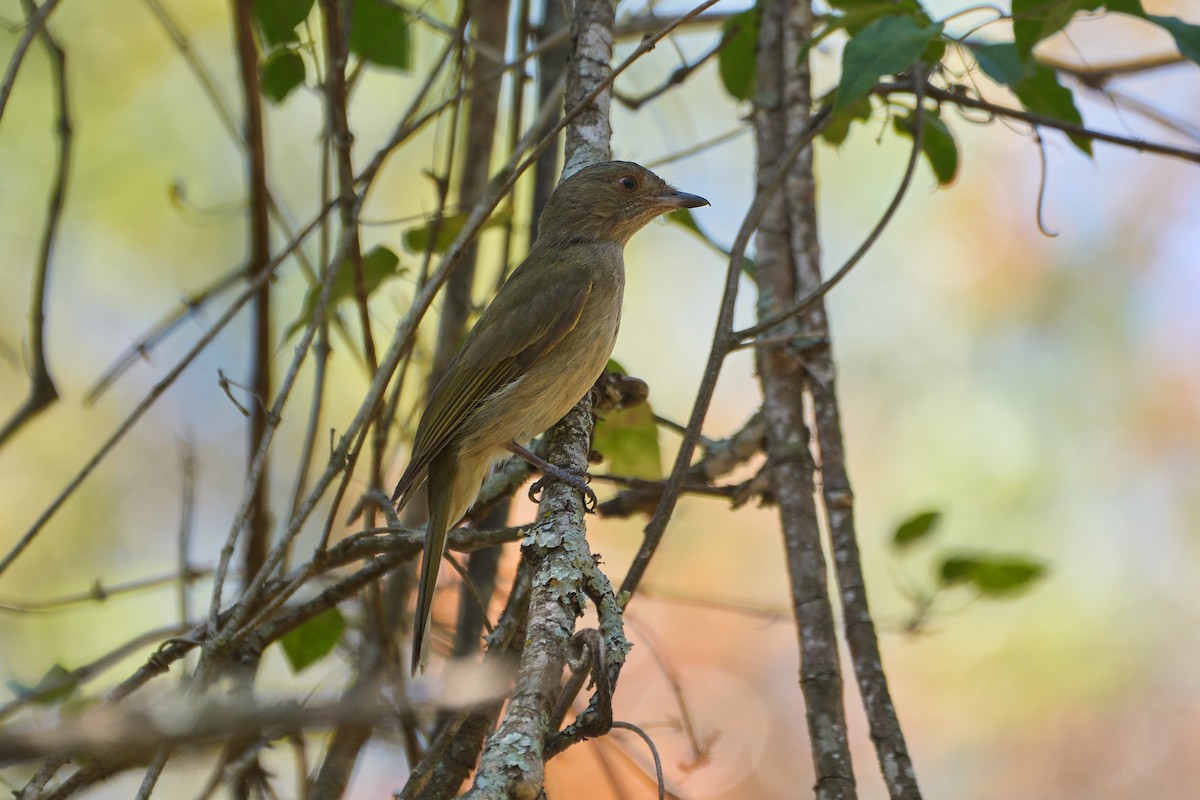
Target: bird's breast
point(553, 385)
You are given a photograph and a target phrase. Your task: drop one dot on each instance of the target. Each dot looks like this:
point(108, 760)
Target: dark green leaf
point(313, 640)
point(282, 72)
point(991, 576)
point(1001, 63)
point(885, 47)
point(916, 528)
point(417, 239)
point(278, 19)
point(1036, 86)
point(379, 33)
point(1035, 20)
point(839, 124)
point(377, 266)
point(628, 439)
point(736, 61)
point(616, 367)
point(937, 144)
point(1042, 94)
point(56, 686)
point(1187, 36)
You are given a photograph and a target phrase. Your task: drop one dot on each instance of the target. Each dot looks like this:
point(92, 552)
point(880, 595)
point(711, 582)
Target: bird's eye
point(628, 183)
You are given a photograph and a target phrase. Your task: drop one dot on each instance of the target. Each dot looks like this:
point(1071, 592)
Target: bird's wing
point(513, 333)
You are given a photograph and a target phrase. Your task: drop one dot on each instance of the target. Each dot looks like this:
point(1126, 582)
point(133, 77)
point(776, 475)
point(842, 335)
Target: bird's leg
point(553, 473)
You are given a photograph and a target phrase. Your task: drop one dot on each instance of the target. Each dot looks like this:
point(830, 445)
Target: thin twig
point(959, 97)
point(33, 26)
point(258, 521)
point(98, 593)
point(42, 392)
point(1042, 184)
point(722, 343)
point(658, 771)
point(152, 396)
point(747, 334)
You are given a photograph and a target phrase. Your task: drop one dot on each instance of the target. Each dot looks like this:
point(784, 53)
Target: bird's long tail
point(441, 488)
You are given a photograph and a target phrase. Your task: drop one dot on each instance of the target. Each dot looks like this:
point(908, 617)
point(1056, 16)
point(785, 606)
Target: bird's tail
point(441, 489)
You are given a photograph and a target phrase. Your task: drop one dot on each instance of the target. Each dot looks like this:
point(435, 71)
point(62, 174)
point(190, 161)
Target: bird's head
point(609, 202)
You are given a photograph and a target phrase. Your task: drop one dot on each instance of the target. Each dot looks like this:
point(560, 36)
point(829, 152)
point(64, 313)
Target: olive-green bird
point(535, 351)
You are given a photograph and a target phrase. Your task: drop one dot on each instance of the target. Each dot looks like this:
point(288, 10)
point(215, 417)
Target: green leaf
point(916, 528)
point(377, 266)
point(616, 367)
point(379, 33)
point(738, 56)
point(1186, 35)
point(937, 144)
point(1036, 86)
point(1042, 94)
point(628, 439)
point(909, 7)
point(1001, 63)
point(282, 72)
point(1035, 20)
point(278, 19)
point(991, 576)
point(839, 124)
point(885, 47)
point(313, 640)
point(56, 686)
point(684, 218)
point(858, 14)
point(417, 239)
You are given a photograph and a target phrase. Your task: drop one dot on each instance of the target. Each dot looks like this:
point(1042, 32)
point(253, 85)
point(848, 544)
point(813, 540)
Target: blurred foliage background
point(1041, 392)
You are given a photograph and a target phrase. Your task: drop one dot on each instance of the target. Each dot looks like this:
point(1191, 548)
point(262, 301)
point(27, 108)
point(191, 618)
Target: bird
point(534, 352)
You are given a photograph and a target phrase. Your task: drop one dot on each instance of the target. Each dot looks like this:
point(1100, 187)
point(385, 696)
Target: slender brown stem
point(259, 257)
point(42, 391)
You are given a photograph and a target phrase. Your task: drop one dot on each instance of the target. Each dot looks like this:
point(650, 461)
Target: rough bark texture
point(787, 438)
point(589, 137)
point(563, 570)
point(513, 762)
point(820, 380)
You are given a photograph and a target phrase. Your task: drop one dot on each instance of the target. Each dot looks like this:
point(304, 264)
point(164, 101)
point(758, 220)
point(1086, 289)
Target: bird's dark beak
point(678, 199)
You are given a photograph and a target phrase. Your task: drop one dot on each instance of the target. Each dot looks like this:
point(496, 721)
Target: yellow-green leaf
point(628, 440)
point(451, 225)
point(379, 33)
point(916, 528)
point(313, 640)
point(990, 575)
point(377, 265)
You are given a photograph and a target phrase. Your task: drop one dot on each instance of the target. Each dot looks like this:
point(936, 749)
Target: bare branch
point(42, 392)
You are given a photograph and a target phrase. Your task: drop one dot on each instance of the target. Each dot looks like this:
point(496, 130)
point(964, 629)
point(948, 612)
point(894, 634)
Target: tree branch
point(42, 392)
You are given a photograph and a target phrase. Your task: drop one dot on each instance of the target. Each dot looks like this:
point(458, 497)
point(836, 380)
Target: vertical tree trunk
point(781, 104)
point(820, 380)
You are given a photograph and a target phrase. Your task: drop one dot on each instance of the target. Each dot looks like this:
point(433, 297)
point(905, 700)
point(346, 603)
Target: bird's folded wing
point(514, 332)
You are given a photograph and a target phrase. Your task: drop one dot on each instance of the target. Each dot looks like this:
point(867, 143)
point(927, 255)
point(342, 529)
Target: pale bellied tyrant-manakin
point(535, 351)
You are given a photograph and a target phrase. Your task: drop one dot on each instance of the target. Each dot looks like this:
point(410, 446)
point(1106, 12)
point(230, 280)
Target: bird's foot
point(577, 480)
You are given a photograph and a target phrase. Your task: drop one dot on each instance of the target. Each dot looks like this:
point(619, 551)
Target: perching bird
point(535, 351)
